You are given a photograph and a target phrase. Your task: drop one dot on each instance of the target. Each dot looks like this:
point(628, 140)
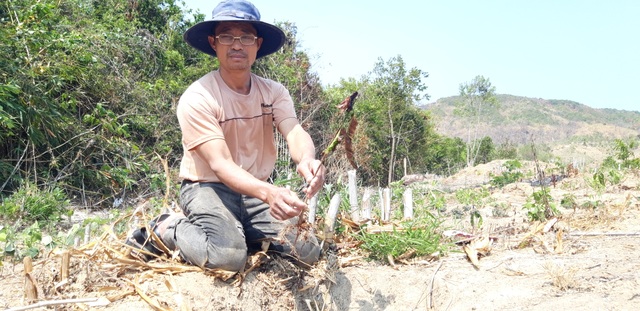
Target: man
point(227, 119)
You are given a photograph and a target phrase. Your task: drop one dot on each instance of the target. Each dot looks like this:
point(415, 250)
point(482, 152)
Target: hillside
point(551, 122)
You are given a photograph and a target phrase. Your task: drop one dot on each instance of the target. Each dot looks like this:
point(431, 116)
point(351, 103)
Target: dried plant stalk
point(30, 289)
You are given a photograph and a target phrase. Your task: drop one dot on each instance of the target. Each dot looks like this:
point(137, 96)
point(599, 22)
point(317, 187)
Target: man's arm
point(303, 153)
point(283, 202)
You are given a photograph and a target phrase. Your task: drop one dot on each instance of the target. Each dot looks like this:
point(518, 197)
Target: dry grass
point(562, 278)
point(105, 270)
point(606, 216)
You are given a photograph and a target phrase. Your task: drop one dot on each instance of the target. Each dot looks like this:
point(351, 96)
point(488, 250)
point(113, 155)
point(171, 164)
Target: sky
point(580, 50)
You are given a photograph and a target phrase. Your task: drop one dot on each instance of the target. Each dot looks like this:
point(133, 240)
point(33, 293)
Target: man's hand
point(284, 203)
point(312, 171)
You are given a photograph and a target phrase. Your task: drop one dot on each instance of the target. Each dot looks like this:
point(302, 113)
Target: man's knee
point(230, 259)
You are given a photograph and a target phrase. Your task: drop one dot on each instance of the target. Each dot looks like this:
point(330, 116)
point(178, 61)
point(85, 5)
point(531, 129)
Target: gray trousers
point(222, 226)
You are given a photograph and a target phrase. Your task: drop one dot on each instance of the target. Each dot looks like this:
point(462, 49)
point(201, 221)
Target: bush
point(510, 176)
point(568, 201)
point(541, 208)
point(30, 203)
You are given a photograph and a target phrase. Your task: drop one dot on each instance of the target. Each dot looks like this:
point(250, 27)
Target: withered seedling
point(303, 229)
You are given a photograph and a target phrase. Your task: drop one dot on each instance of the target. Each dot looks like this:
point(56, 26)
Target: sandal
point(145, 247)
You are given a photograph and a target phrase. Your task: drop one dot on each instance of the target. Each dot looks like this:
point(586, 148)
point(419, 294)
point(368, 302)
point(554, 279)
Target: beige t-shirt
point(209, 110)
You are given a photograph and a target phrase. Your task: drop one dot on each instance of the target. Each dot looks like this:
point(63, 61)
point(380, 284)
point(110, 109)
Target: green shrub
point(509, 176)
point(30, 203)
point(541, 208)
point(568, 201)
point(623, 159)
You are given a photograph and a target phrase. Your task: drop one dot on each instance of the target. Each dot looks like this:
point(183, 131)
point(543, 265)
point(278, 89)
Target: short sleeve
point(199, 119)
point(283, 107)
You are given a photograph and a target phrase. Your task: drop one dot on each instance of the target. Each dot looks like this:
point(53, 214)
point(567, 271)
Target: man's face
point(236, 56)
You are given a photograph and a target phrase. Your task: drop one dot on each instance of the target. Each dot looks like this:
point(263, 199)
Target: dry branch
point(101, 301)
point(433, 278)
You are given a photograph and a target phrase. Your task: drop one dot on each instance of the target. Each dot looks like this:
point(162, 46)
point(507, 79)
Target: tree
point(486, 150)
point(477, 96)
point(446, 155)
point(394, 128)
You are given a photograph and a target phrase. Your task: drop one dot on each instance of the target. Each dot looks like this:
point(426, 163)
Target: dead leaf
point(477, 248)
point(472, 254)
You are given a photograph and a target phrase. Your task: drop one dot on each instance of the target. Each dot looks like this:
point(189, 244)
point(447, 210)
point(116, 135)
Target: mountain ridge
point(518, 119)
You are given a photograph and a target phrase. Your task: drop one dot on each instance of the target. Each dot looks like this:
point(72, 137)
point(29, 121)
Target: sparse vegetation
point(511, 175)
point(472, 197)
point(500, 210)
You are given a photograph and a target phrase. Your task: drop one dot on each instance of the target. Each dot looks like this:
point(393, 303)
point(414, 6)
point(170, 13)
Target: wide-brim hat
point(235, 11)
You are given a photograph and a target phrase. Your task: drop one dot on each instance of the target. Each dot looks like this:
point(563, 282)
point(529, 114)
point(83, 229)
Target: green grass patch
point(421, 238)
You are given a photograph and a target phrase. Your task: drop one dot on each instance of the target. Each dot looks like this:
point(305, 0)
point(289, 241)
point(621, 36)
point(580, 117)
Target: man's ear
point(260, 42)
point(212, 42)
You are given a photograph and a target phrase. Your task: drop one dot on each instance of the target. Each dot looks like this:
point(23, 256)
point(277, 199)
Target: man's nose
point(236, 43)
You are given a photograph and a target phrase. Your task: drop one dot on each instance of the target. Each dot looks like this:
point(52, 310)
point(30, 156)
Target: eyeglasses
point(244, 39)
